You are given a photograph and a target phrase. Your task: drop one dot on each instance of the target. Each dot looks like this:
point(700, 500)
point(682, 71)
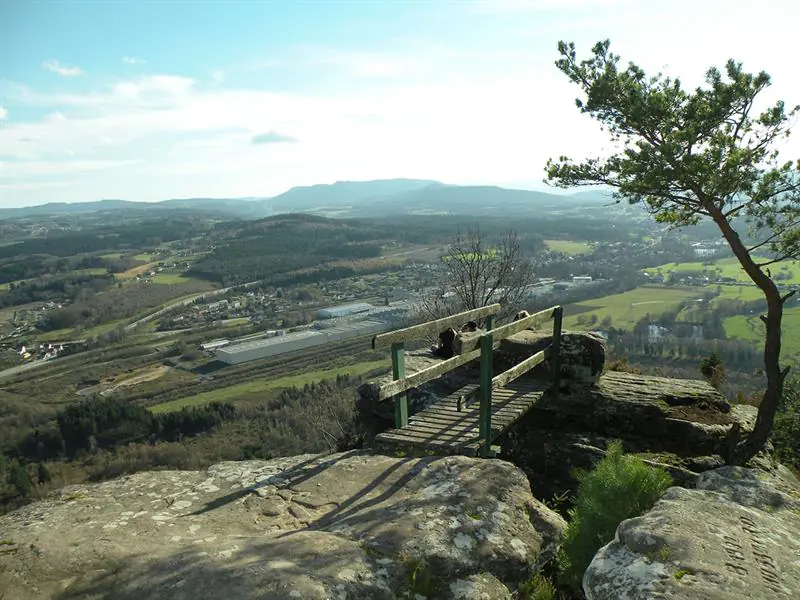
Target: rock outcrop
point(583, 355)
point(735, 537)
point(349, 526)
point(684, 425)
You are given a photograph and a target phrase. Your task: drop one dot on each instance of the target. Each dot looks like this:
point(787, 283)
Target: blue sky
point(147, 100)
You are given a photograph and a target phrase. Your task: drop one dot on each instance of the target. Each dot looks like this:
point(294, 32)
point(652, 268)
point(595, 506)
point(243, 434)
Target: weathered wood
point(503, 331)
point(434, 328)
point(397, 386)
point(485, 421)
point(520, 369)
point(558, 318)
point(449, 431)
point(399, 373)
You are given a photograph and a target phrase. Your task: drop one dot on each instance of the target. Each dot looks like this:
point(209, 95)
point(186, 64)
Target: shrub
point(537, 587)
point(713, 370)
point(619, 487)
point(786, 428)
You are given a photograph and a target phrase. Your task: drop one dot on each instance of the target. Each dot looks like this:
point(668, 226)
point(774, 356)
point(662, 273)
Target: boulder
point(583, 354)
point(684, 425)
point(737, 536)
point(688, 417)
point(349, 525)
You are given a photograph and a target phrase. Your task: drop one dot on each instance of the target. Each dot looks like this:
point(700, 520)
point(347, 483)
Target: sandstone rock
point(583, 355)
point(673, 414)
point(350, 526)
point(735, 537)
point(681, 425)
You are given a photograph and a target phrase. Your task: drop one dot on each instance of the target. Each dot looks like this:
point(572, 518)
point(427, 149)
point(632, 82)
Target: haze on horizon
point(113, 100)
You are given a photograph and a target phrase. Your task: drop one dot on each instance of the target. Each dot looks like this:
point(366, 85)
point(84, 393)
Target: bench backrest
point(433, 328)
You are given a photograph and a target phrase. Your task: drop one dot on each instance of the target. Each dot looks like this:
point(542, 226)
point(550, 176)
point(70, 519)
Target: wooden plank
point(485, 419)
point(434, 328)
point(520, 369)
point(500, 333)
point(402, 384)
point(556, 345)
point(399, 373)
point(445, 430)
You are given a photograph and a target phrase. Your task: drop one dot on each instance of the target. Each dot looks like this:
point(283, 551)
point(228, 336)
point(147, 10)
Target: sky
point(148, 100)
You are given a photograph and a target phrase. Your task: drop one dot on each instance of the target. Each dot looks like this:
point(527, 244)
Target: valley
point(120, 329)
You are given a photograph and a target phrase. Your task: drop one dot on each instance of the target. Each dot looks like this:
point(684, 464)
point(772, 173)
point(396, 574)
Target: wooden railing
point(481, 346)
point(397, 341)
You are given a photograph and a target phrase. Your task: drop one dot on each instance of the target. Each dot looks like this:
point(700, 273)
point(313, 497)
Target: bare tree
point(477, 273)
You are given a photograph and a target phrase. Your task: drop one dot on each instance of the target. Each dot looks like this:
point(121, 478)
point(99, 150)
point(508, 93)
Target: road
point(22, 368)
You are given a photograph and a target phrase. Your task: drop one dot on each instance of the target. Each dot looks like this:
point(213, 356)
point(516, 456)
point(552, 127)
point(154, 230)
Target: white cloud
point(3, 113)
point(130, 60)
point(492, 113)
point(218, 76)
point(63, 70)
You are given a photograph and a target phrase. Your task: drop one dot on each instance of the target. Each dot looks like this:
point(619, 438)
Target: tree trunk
point(772, 343)
point(775, 378)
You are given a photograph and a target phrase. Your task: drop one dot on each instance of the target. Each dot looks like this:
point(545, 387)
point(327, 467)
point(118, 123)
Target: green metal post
point(399, 372)
point(489, 322)
point(555, 358)
point(485, 419)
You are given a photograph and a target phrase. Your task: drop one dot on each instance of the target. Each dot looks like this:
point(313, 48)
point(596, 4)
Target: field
point(249, 389)
point(627, 308)
point(173, 278)
point(750, 327)
point(568, 247)
point(133, 272)
point(730, 267)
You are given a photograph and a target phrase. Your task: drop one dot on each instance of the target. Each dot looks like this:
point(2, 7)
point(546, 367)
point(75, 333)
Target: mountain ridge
point(379, 197)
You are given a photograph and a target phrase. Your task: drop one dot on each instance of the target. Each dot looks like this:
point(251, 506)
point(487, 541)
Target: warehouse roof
point(280, 339)
point(356, 306)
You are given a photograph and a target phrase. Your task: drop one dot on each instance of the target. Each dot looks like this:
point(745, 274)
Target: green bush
point(537, 587)
point(786, 428)
point(619, 487)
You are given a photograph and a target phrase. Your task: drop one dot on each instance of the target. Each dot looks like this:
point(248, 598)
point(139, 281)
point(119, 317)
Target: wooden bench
point(446, 425)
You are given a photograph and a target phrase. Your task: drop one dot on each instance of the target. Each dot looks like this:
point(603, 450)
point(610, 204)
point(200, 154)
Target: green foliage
point(713, 369)
point(620, 487)
point(687, 154)
point(786, 430)
point(20, 479)
point(111, 422)
point(537, 588)
point(272, 248)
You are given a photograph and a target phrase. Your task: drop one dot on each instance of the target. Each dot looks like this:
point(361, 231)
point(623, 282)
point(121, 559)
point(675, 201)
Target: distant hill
point(343, 194)
point(377, 198)
point(231, 207)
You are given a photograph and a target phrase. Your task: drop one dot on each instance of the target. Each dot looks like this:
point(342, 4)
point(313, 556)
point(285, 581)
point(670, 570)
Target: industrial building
point(266, 347)
point(214, 344)
point(344, 310)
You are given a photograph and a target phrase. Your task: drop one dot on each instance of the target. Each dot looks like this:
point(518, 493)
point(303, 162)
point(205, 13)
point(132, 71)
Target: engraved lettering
point(738, 569)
